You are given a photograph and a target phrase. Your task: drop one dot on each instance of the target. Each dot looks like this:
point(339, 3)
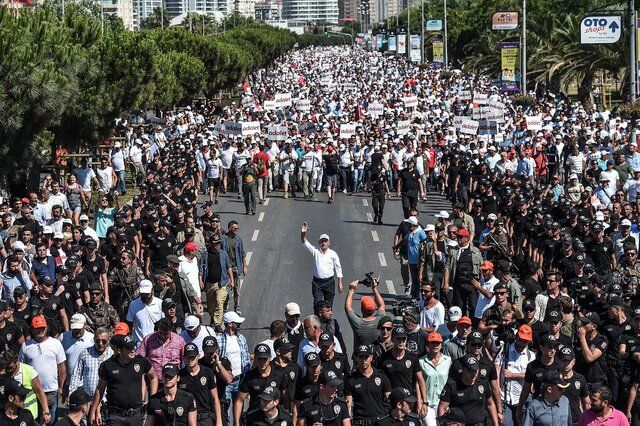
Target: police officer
point(470, 393)
point(284, 363)
point(13, 411)
point(269, 411)
point(616, 325)
point(332, 360)
point(590, 351)
point(171, 405)
point(325, 407)
point(98, 312)
point(221, 367)
point(400, 413)
point(307, 386)
point(401, 367)
point(123, 377)
point(200, 381)
point(366, 389)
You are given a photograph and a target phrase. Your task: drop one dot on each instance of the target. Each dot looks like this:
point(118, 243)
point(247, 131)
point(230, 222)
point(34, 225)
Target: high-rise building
point(303, 11)
point(245, 8)
point(123, 9)
point(142, 9)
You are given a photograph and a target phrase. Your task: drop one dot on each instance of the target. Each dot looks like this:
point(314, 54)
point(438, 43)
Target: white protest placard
point(283, 100)
point(493, 114)
point(410, 101)
point(465, 95)
point(303, 104)
point(348, 86)
point(499, 137)
point(469, 127)
point(277, 132)
point(250, 128)
point(232, 128)
point(457, 121)
point(269, 105)
point(496, 105)
point(480, 98)
point(375, 109)
point(486, 127)
point(403, 127)
point(476, 113)
point(534, 122)
point(347, 130)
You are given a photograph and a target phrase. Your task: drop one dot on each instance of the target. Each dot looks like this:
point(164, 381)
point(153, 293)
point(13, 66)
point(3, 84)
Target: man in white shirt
point(106, 176)
point(214, 172)
point(75, 340)
point(135, 159)
point(431, 309)
point(144, 312)
point(485, 289)
point(326, 265)
point(85, 176)
point(117, 161)
point(189, 266)
point(195, 333)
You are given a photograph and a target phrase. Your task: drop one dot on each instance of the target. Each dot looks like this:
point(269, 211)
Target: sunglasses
point(501, 293)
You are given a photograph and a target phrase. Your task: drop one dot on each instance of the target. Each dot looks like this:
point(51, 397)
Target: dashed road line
point(266, 201)
point(390, 287)
point(248, 257)
point(374, 235)
point(365, 202)
point(261, 217)
point(383, 261)
point(255, 235)
point(240, 285)
point(369, 217)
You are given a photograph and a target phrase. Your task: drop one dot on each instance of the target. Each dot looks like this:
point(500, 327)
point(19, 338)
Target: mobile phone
point(305, 224)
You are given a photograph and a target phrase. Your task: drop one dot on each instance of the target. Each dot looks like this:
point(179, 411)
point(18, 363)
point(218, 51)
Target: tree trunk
point(585, 90)
point(555, 84)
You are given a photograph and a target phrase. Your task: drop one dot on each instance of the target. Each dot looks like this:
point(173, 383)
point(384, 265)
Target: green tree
point(159, 18)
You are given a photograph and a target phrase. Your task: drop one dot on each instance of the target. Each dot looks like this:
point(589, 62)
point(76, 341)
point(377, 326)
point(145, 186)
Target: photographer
point(365, 327)
point(462, 266)
point(492, 316)
point(512, 363)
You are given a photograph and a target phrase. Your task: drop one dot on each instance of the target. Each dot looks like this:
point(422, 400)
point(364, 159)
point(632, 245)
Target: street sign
point(600, 29)
point(504, 21)
point(434, 25)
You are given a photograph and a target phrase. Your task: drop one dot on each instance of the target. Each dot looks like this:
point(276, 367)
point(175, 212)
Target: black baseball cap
point(168, 303)
point(13, 388)
point(191, 350)
point(554, 316)
point(283, 344)
point(401, 394)
point(529, 305)
point(548, 339)
point(78, 398)
point(19, 291)
point(262, 351)
point(170, 370)
point(592, 317)
point(555, 378)
point(330, 378)
point(474, 338)
point(270, 393)
point(209, 345)
point(399, 333)
point(469, 362)
point(312, 359)
point(95, 287)
point(566, 354)
point(326, 339)
point(363, 350)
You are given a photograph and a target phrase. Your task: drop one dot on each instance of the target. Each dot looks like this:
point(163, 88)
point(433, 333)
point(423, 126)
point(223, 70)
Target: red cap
point(486, 265)
point(525, 332)
point(121, 328)
point(368, 304)
point(38, 321)
point(189, 247)
point(434, 336)
point(463, 233)
point(464, 320)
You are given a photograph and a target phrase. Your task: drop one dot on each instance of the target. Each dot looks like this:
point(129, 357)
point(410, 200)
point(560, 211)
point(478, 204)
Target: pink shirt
point(616, 418)
point(161, 353)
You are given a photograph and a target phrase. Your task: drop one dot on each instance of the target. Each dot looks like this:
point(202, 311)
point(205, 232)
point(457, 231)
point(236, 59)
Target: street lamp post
point(524, 47)
point(446, 37)
point(632, 52)
point(408, 39)
point(422, 33)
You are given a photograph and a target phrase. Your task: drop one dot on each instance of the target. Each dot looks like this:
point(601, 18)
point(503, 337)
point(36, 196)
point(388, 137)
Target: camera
point(405, 307)
point(368, 280)
point(506, 333)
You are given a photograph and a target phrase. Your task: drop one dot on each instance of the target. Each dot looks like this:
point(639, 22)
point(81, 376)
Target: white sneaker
point(344, 191)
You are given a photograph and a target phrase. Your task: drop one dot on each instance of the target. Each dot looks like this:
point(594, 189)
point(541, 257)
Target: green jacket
point(452, 262)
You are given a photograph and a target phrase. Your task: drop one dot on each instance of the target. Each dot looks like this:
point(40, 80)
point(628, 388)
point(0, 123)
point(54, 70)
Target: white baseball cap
point(292, 308)
point(492, 216)
point(443, 214)
point(232, 316)
point(625, 222)
point(47, 230)
point(77, 322)
point(573, 176)
point(455, 313)
point(83, 217)
point(191, 322)
point(18, 246)
point(58, 236)
point(430, 227)
point(412, 220)
point(145, 287)
point(323, 237)
point(117, 145)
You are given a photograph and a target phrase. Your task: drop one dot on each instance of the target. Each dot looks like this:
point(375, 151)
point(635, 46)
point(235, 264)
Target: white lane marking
point(248, 257)
point(266, 201)
point(240, 285)
point(369, 217)
point(255, 235)
point(374, 235)
point(390, 287)
point(365, 202)
point(383, 261)
point(261, 217)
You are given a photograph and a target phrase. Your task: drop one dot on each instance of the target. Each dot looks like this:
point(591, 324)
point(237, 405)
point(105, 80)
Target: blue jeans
point(231, 394)
point(52, 400)
point(510, 415)
point(120, 186)
point(415, 284)
point(357, 178)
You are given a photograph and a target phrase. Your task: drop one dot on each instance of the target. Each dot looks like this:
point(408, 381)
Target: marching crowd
point(521, 304)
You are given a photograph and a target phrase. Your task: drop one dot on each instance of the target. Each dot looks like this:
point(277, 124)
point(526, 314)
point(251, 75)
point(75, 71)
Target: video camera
point(405, 307)
point(506, 333)
point(368, 280)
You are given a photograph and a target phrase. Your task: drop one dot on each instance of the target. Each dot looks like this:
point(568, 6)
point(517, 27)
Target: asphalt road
point(280, 268)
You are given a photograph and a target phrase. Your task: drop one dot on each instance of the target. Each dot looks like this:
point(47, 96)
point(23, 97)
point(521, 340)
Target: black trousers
point(409, 201)
point(466, 299)
point(377, 201)
point(116, 420)
point(249, 194)
point(323, 289)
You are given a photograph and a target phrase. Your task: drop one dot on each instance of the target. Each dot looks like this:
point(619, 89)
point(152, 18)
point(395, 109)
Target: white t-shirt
point(432, 317)
point(117, 160)
point(227, 156)
point(73, 347)
point(191, 270)
point(44, 357)
point(105, 178)
point(241, 158)
point(85, 176)
point(144, 317)
point(234, 355)
point(213, 168)
point(205, 331)
point(484, 302)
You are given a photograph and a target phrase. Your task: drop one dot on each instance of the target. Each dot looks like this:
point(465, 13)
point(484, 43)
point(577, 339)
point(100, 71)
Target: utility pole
point(632, 52)
point(446, 38)
point(422, 33)
point(524, 47)
point(408, 39)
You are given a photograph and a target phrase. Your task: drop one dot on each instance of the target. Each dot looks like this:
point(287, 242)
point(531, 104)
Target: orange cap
point(525, 332)
point(368, 304)
point(434, 336)
point(486, 265)
point(38, 321)
point(464, 320)
point(121, 328)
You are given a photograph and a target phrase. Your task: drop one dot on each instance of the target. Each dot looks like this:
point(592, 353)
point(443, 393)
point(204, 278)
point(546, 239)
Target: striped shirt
point(85, 374)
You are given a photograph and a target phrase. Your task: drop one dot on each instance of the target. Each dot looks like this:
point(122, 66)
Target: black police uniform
point(339, 364)
point(616, 366)
point(535, 374)
point(11, 333)
point(410, 419)
point(292, 372)
point(222, 389)
point(174, 413)
point(577, 390)
point(486, 371)
point(200, 386)
point(596, 372)
point(253, 384)
point(306, 388)
point(24, 418)
point(400, 372)
point(472, 399)
point(124, 388)
point(257, 418)
point(369, 401)
point(331, 414)
point(410, 186)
